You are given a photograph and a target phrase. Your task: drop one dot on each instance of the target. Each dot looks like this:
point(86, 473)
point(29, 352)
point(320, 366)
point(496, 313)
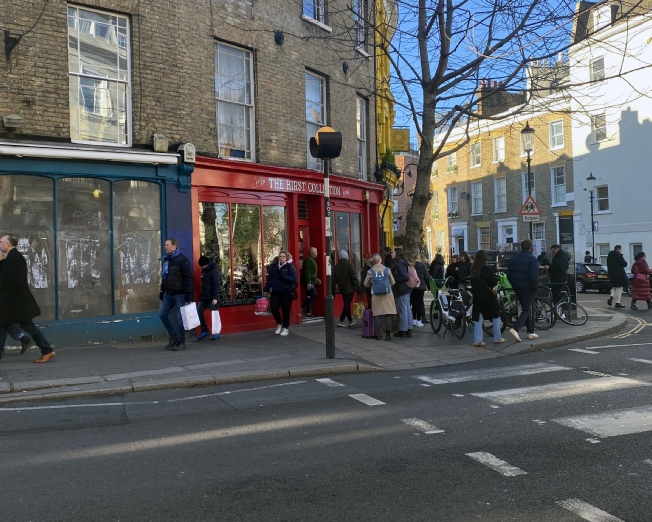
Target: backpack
point(413, 278)
point(380, 282)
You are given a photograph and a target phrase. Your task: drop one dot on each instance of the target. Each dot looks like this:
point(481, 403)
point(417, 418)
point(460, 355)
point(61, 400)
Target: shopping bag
point(217, 322)
point(358, 309)
point(262, 306)
point(189, 316)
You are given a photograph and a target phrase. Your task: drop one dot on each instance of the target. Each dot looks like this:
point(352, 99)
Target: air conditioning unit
point(464, 195)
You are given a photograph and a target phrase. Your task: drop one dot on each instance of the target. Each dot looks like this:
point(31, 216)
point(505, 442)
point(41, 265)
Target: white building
point(610, 65)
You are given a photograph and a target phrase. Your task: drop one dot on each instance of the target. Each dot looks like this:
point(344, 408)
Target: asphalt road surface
point(554, 435)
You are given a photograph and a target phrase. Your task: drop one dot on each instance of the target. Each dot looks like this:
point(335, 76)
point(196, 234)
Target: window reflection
point(247, 255)
point(348, 237)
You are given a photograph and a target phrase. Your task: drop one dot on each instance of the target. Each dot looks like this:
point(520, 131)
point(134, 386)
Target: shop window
point(99, 77)
point(243, 239)
point(83, 247)
point(136, 246)
point(315, 114)
point(349, 237)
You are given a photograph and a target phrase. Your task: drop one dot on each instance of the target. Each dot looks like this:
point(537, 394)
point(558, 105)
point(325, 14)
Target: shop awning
point(458, 232)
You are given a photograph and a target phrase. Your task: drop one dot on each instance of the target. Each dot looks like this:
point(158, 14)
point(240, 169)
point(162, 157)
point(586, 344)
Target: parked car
point(589, 276)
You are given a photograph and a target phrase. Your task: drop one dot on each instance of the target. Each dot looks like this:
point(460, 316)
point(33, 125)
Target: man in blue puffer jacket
point(524, 277)
point(176, 289)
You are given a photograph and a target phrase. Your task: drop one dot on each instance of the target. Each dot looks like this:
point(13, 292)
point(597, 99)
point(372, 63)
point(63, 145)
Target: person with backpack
point(402, 292)
point(416, 296)
point(380, 279)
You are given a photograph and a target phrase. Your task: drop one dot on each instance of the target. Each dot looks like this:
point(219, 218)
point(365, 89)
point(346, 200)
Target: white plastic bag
point(217, 322)
point(189, 316)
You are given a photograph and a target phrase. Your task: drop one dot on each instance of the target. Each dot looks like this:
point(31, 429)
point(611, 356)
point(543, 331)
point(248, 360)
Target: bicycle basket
point(436, 285)
point(503, 281)
point(456, 310)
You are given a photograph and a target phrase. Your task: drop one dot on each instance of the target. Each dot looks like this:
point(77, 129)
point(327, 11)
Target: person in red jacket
point(641, 283)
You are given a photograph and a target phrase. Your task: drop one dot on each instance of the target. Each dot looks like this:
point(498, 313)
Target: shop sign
point(302, 187)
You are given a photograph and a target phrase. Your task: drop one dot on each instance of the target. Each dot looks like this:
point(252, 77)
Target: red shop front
point(244, 213)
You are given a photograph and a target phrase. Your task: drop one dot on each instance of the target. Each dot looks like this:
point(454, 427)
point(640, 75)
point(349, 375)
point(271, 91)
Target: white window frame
point(557, 199)
point(435, 204)
point(476, 198)
point(315, 116)
point(601, 199)
point(451, 163)
point(453, 201)
point(486, 245)
point(361, 125)
point(100, 83)
point(596, 68)
point(556, 135)
point(539, 233)
point(499, 149)
point(599, 126)
point(440, 238)
point(524, 182)
point(315, 10)
point(360, 24)
point(602, 250)
point(476, 155)
point(229, 146)
point(500, 194)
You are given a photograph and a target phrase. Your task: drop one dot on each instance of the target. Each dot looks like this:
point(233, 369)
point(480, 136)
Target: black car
point(589, 276)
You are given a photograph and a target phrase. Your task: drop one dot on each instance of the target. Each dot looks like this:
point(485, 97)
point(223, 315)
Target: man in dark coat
point(558, 271)
point(176, 289)
point(345, 279)
point(524, 277)
point(211, 288)
point(17, 304)
point(617, 276)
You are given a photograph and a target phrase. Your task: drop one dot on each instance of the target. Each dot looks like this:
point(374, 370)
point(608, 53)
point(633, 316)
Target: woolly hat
point(203, 261)
point(344, 254)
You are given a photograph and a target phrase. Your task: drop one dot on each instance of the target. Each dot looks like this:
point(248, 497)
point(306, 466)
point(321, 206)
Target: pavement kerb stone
point(174, 382)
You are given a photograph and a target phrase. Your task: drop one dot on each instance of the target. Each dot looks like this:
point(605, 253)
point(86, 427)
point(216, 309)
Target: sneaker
point(278, 329)
point(414, 322)
point(25, 342)
point(45, 357)
point(532, 336)
point(419, 324)
point(618, 305)
point(500, 341)
point(479, 345)
point(178, 347)
point(202, 335)
point(284, 332)
point(352, 323)
point(171, 344)
point(215, 337)
point(341, 324)
point(609, 301)
point(514, 334)
point(308, 314)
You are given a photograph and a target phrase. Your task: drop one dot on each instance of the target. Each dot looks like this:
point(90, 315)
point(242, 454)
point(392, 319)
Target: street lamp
point(590, 184)
point(526, 139)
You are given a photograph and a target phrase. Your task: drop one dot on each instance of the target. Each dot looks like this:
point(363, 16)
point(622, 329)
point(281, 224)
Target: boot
point(649, 305)
point(609, 301)
point(633, 306)
point(388, 335)
point(409, 333)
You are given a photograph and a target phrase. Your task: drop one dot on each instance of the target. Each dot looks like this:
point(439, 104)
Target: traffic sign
point(530, 208)
point(531, 218)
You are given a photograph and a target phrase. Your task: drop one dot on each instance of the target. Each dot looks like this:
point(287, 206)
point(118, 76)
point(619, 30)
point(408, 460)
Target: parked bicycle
point(543, 315)
point(437, 286)
point(453, 313)
point(570, 313)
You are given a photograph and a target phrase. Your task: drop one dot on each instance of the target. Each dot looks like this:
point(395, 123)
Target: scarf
point(166, 262)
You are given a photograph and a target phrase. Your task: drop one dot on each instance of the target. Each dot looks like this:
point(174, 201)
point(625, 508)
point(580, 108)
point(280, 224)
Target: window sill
point(601, 212)
point(476, 166)
point(319, 24)
point(362, 52)
point(561, 204)
point(558, 147)
point(500, 212)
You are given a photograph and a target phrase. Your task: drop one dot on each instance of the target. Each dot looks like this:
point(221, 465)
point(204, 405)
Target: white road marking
point(581, 350)
point(586, 511)
point(594, 441)
point(217, 394)
point(557, 390)
point(618, 345)
point(495, 373)
point(66, 406)
point(647, 361)
point(612, 423)
point(539, 421)
point(330, 382)
point(458, 395)
point(369, 401)
point(648, 461)
point(428, 429)
point(496, 464)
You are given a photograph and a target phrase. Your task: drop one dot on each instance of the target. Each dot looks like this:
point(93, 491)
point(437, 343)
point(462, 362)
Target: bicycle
point(571, 313)
point(453, 313)
point(435, 290)
point(543, 314)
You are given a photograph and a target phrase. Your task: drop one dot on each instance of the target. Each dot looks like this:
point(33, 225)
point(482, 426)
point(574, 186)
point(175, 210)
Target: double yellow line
point(635, 330)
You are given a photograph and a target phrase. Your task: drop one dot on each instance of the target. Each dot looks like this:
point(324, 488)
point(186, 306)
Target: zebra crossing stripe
point(647, 361)
point(586, 511)
point(329, 382)
point(492, 373)
point(612, 423)
point(581, 350)
point(369, 401)
point(496, 464)
point(428, 429)
point(557, 390)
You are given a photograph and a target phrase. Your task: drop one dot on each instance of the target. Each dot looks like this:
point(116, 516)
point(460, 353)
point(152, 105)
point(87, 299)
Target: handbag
point(216, 326)
point(262, 306)
point(640, 277)
point(358, 309)
point(189, 316)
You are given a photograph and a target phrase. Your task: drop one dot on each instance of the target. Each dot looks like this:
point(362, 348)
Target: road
point(554, 435)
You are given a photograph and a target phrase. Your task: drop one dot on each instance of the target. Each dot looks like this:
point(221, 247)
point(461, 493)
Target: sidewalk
point(122, 368)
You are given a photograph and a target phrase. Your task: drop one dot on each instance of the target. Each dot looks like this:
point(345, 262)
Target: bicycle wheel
point(458, 324)
point(571, 313)
point(512, 309)
point(543, 314)
point(435, 317)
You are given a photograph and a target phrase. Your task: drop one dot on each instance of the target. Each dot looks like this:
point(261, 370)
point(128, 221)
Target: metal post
point(329, 302)
point(529, 188)
point(592, 228)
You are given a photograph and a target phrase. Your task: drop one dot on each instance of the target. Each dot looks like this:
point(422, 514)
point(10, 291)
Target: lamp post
point(526, 140)
point(590, 184)
point(326, 145)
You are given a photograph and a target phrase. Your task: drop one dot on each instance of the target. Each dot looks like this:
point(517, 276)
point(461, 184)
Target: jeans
point(30, 329)
point(404, 315)
point(477, 329)
point(310, 297)
point(525, 318)
point(173, 303)
point(201, 308)
point(346, 309)
point(282, 300)
point(418, 308)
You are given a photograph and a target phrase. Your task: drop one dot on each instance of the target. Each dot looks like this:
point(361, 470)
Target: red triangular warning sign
point(530, 208)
